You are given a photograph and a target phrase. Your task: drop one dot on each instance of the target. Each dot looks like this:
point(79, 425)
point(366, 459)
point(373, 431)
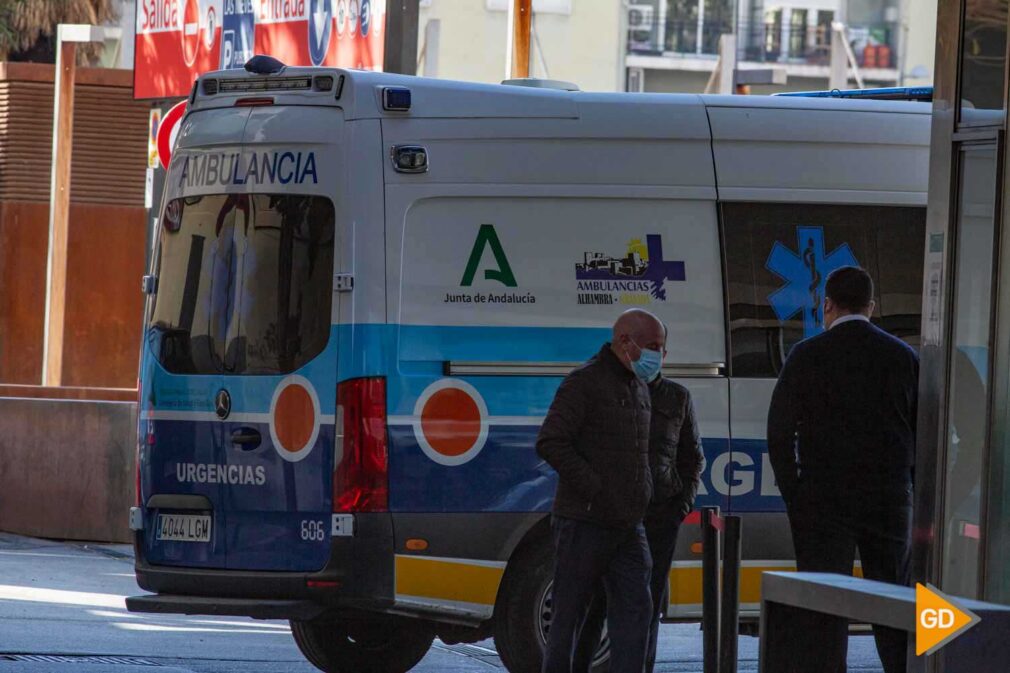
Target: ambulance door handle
point(247, 438)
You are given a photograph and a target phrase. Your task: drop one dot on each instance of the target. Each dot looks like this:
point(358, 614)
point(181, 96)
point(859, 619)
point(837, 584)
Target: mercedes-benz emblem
point(222, 404)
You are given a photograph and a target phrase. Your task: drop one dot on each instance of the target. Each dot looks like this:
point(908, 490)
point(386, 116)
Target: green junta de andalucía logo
point(488, 237)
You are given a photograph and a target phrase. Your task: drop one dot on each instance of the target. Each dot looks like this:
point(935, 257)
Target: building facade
point(579, 41)
point(918, 29)
point(673, 44)
point(659, 45)
point(962, 518)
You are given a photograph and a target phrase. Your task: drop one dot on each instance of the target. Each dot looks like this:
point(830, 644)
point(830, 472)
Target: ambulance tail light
point(361, 465)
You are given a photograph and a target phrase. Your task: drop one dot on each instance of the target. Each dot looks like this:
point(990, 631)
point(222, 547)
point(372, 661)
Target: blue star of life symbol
point(805, 274)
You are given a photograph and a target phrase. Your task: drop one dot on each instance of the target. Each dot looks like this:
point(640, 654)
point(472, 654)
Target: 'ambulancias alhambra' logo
point(636, 278)
point(487, 238)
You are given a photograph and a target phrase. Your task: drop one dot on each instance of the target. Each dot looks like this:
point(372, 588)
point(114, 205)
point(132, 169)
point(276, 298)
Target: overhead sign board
point(177, 40)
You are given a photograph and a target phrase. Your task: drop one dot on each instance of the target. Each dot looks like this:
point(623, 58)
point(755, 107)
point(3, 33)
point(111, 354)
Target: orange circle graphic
point(450, 421)
point(294, 418)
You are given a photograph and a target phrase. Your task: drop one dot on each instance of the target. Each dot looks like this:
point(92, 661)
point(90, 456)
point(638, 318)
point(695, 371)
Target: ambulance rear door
point(246, 363)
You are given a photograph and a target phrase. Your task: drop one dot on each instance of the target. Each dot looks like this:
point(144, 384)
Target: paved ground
point(62, 611)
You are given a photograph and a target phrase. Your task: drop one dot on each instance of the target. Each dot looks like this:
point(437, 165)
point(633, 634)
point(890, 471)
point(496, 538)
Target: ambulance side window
point(778, 257)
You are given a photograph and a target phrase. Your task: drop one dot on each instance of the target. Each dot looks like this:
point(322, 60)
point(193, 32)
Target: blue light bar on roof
point(912, 93)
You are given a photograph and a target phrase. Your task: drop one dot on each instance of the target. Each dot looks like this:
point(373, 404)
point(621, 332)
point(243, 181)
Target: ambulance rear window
point(245, 283)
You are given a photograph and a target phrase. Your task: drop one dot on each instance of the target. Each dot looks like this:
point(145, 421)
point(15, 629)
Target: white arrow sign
point(319, 19)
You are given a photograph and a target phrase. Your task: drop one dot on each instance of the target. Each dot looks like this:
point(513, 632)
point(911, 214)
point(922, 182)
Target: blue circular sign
point(320, 26)
point(366, 17)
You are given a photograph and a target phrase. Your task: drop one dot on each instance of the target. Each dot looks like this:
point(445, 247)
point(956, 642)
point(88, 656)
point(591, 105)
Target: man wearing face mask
point(596, 436)
point(676, 458)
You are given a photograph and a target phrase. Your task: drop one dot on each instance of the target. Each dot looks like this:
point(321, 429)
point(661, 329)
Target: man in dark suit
point(841, 438)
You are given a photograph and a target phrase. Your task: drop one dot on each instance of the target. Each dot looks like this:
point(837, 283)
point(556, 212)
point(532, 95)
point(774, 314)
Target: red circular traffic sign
point(167, 132)
point(190, 31)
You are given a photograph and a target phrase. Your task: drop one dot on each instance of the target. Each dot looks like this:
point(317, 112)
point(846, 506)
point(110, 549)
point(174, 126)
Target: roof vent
point(535, 83)
point(264, 65)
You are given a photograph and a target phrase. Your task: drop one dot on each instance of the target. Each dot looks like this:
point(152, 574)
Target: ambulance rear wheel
point(379, 646)
point(524, 612)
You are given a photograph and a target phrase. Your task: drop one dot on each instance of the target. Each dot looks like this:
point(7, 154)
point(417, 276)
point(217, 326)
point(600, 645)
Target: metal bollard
point(729, 629)
point(710, 589)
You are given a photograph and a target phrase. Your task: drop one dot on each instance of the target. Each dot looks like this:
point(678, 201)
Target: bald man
point(596, 436)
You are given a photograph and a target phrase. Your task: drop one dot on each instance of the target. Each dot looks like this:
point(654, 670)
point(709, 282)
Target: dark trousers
point(662, 537)
point(587, 554)
point(828, 524)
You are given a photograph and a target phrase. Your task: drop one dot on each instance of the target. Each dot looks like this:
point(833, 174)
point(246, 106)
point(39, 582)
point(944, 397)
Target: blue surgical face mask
point(648, 364)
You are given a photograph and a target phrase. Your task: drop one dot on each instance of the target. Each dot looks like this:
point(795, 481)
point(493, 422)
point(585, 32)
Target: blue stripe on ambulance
point(506, 476)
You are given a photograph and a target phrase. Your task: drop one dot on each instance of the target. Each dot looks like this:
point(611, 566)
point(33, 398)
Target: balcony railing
point(766, 42)
point(680, 37)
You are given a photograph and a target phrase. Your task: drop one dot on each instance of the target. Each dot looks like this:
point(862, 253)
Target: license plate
point(184, 527)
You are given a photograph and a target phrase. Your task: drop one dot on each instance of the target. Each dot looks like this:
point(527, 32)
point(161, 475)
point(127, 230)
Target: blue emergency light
point(262, 64)
point(396, 98)
point(911, 93)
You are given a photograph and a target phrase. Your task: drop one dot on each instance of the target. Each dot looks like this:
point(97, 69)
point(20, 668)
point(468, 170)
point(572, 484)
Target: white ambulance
point(366, 289)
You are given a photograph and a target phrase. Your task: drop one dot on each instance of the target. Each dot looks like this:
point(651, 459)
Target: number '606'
point(313, 530)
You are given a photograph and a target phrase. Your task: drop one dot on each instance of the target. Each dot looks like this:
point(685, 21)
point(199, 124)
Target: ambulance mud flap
point(239, 607)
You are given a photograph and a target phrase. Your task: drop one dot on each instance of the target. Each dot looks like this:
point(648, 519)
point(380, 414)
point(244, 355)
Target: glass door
point(970, 371)
point(996, 538)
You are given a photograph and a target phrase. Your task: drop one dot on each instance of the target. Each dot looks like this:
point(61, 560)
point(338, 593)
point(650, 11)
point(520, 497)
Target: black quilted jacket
point(596, 435)
point(674, 451)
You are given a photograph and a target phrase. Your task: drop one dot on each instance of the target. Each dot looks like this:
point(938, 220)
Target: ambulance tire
point(381, 646)
point(522, 611)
